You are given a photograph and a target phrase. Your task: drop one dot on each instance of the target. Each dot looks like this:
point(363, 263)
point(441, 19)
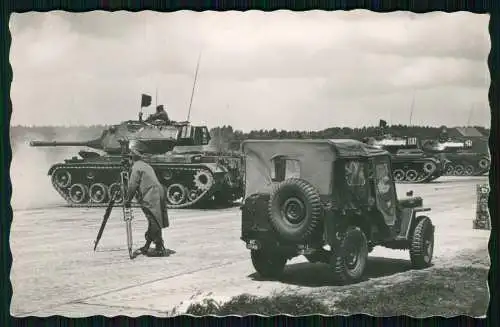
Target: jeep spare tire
point(294, 209)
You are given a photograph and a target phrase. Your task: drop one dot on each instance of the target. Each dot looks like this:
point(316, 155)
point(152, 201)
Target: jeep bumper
point(296, 249)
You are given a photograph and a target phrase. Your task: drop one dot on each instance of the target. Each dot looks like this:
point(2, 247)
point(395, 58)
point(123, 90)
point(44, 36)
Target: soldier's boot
point(159, 250)
point(145, 248)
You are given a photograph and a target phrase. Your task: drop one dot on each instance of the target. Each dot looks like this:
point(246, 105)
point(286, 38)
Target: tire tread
point(417, 246)
point(310, 193)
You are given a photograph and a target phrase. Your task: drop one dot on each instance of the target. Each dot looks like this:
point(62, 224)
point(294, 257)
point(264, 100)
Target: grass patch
point(248, 304)
point(444, 291)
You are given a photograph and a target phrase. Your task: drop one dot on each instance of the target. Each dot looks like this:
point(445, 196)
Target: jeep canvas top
point(310, 158)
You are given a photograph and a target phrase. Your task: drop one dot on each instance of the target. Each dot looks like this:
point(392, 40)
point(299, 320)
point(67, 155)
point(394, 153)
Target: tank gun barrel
point(92, 144)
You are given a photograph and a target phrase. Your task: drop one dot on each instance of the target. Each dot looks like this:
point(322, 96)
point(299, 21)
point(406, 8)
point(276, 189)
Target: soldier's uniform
point(150, 194)
point(160, 114)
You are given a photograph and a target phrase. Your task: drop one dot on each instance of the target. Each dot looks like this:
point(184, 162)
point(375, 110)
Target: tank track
point(467, 168)
point(95, 194)
point(414, 173)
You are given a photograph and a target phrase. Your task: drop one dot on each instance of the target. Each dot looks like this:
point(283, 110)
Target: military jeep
point(332, 201)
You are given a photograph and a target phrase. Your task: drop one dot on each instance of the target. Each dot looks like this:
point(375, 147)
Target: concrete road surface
point(56, 272)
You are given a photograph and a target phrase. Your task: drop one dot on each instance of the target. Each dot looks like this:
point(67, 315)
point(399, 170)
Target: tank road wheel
point(176, 194)
point(294, 209)
point(193, 194)
point(459, 170)
point(349, 260)
point(399, 175)
point(422, 244)
point(98, 192)
point(203, 180)
point(469, 170)
point(448, 170)
point(484, 163)
point(62, 178)
point(429, 167)
point(268, 264)
point(116, 187)
point(78, 193)
point(411, 175)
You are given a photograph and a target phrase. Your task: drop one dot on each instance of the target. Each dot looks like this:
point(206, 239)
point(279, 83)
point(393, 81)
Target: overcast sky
point(284, 70)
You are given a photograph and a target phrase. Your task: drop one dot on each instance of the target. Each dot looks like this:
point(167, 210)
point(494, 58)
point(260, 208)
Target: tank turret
point(153, 139)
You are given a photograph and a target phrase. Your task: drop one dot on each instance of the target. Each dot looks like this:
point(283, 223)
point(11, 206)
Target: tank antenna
point(194, 84)
point(471, 110)
point(412, 106)
point(156, 98)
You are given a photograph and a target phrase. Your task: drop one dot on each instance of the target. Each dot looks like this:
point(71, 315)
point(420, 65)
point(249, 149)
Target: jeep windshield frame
point(384, 189)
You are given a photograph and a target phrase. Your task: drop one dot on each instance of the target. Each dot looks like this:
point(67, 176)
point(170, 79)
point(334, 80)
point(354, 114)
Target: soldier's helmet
point(134, 149)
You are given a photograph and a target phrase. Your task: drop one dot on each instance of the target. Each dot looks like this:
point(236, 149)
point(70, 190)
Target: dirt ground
point(56, 272)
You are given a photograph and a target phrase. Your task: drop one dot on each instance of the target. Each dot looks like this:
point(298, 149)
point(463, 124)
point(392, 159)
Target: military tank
point(458, 156)
point(410, 164)
point(177, 152)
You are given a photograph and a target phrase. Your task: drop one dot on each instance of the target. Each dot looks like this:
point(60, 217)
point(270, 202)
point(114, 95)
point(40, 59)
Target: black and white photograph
point(235, 163)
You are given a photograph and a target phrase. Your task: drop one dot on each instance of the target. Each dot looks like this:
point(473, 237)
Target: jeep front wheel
point(294, 209)
point(422, 244)
point(268, 264)
point(350, 259)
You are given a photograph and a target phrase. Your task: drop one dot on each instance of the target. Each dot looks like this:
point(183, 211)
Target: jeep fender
point(331, 229)
point(409, 219)
point(335, 224)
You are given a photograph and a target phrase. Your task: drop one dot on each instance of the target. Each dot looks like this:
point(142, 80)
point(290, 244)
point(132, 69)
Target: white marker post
point(483, 219)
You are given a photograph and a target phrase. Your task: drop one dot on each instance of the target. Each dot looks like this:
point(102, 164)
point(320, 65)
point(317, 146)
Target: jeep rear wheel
point(422, 244)
point(294, 209)
point(349, 260)
point(268, 264)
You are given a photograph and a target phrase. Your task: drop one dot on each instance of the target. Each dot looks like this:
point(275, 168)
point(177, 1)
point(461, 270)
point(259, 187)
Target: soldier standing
point(151, 197)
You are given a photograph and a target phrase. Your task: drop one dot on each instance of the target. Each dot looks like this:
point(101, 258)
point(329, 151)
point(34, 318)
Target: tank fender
point(221, 169)
point(51, 170)
point(215, 168)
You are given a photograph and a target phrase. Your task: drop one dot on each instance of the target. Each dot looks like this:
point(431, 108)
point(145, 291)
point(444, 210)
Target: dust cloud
point(31, 184)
